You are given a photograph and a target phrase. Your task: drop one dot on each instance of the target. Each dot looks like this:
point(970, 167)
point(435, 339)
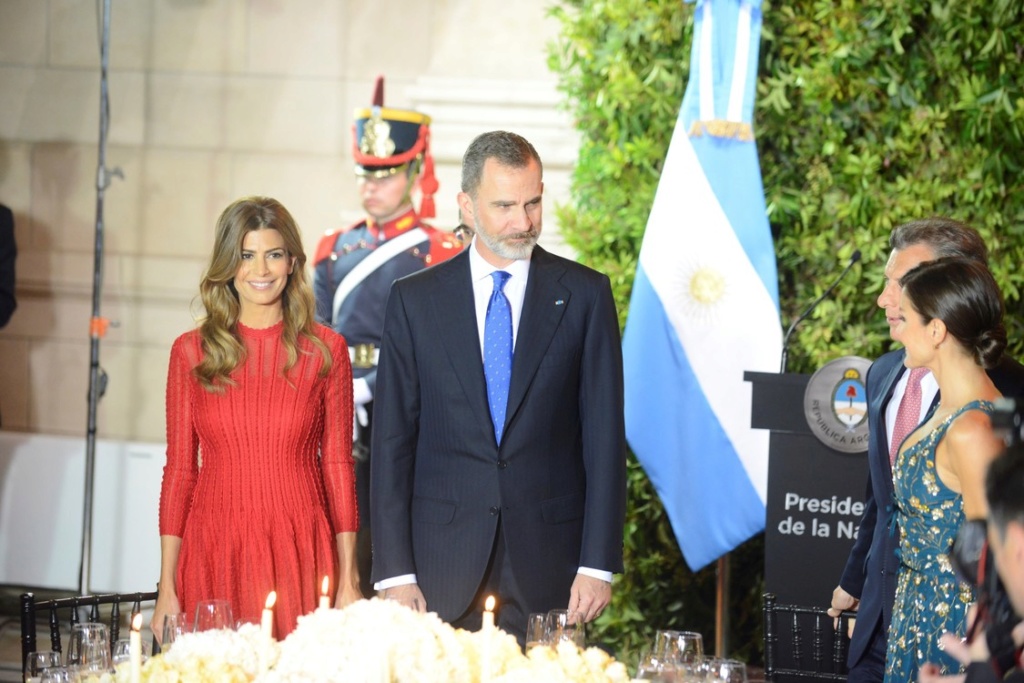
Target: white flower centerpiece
point(371, 641)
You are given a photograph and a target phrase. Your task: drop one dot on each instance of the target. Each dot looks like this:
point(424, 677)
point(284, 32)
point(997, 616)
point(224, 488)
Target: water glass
point(89, 648)
point(724, 671)
point(563, 625)
point(654, 667)
point(37, 662)
point(536, 630)
point(121, 651)
point(56, 674)
point(174, 626)
point(683, 647)
point(213, 614)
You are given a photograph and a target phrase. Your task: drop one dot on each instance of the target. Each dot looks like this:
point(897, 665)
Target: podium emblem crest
point(835, 404)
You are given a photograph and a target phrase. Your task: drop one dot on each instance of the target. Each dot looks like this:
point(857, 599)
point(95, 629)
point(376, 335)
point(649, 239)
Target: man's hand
point(589, 596)
point(409, 595)
point(841, 602)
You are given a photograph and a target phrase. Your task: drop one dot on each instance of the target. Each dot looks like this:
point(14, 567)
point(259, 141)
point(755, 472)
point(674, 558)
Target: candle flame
point(271, 599)
point(137, 622)
point(324, 585)
point(489, 603)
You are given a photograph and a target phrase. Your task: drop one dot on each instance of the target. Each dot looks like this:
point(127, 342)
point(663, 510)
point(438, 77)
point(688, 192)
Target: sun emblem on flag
point(703, 287)
point(707, 286)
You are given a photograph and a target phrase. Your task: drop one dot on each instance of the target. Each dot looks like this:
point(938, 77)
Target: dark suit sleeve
point(8, 254)
point(393, 445)
point(853, 577)
point(604, 436)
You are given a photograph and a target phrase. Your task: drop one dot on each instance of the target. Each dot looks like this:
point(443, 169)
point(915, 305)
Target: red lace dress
point(259, 478)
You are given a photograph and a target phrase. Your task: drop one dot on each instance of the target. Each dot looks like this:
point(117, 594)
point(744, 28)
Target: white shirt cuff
point(361, 391)
point(403, 580)
point(596, 573)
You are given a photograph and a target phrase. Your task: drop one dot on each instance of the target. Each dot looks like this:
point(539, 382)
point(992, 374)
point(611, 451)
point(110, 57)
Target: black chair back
point(801, 643)
point(67, 609)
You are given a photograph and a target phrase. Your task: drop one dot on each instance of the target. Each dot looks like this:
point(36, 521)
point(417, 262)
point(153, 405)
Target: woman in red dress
point(258, 491)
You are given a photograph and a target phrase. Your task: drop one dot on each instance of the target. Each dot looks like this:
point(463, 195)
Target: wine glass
point(536, 630)
point(89, 648)
point(55, 674)
point(655, 667)
point(122, 651)
point(37, 662)
point(724, 670)
point(213, 614)
point(683, 647)
point(563, 625)
point(174, 626)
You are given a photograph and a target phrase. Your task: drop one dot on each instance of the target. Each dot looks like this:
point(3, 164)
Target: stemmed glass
point(655, 667)
point(38, 662)
point(174, 626)
point(563, 625)
point(213, 614)
point(682, 647)
point(55, 674)
point(724, 670)
point(536, 630)
point(89, 648)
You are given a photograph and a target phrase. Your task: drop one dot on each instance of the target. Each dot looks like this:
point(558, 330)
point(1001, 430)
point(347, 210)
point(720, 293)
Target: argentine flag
point(705, 304)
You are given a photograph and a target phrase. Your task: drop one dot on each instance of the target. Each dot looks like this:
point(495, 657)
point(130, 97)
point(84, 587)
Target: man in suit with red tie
point(898, 400)
point(499, 444)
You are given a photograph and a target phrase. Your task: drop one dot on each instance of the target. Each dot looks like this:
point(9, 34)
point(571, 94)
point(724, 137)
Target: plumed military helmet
point(388, 141)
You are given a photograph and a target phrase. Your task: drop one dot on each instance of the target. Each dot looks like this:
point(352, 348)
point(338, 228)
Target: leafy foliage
point(870, 113)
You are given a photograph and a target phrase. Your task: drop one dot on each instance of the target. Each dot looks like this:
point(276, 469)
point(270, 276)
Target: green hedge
point(870, 113)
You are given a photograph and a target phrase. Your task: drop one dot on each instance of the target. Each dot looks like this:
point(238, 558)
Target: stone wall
point(211, 100)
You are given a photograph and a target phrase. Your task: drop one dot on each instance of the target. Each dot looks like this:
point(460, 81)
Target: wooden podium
point(815, 495)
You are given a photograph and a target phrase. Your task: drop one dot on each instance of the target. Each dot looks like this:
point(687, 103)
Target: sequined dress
point(930, 600)
point(259, 478)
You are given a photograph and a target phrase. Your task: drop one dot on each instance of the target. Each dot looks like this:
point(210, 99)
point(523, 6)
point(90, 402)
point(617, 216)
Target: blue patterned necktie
point(498, 351)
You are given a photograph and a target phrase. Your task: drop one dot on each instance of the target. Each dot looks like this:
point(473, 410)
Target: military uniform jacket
point(360, 316)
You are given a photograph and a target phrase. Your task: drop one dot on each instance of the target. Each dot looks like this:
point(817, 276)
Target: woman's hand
point(166, 603)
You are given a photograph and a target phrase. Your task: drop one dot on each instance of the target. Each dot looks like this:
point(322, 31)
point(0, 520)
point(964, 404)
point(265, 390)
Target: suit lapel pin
point(559, 302)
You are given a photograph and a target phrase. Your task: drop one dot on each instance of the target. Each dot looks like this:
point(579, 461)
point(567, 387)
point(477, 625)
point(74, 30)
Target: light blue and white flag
point(705, 304)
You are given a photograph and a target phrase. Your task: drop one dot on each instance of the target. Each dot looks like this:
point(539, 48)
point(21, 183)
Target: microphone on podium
point(800, 318)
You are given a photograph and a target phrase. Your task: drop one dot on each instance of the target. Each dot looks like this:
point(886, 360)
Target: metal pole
point(97, 324)
point(722, 608)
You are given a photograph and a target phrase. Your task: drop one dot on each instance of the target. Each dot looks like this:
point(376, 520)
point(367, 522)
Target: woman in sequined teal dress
point(952, 324)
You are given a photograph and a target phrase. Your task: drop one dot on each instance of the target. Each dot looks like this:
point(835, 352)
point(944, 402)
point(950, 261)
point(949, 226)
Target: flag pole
point(722, 608)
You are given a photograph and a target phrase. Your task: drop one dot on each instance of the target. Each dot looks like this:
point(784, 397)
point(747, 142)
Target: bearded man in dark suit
point(499, 474)
point(868, 583)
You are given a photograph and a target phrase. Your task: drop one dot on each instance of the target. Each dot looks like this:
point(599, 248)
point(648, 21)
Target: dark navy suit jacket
point(870, 572)
point(439, 481)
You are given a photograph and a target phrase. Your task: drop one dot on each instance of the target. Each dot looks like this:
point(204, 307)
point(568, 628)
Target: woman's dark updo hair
point(963, 294)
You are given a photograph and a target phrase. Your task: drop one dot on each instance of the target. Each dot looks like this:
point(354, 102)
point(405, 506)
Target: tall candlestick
point(267, 621)
point(135, 649)
point(488, 636)
point(489, 613)
point(325, 598)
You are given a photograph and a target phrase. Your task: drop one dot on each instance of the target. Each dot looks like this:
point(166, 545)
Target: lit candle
point(267, 622)
point(489, 613)
point(325, 599)
point(488, 634)
point(135, 648)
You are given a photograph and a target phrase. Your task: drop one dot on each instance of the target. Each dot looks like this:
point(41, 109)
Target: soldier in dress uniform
point(355, 266)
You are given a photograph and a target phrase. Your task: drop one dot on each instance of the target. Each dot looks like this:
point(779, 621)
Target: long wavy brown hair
point(223, 350)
